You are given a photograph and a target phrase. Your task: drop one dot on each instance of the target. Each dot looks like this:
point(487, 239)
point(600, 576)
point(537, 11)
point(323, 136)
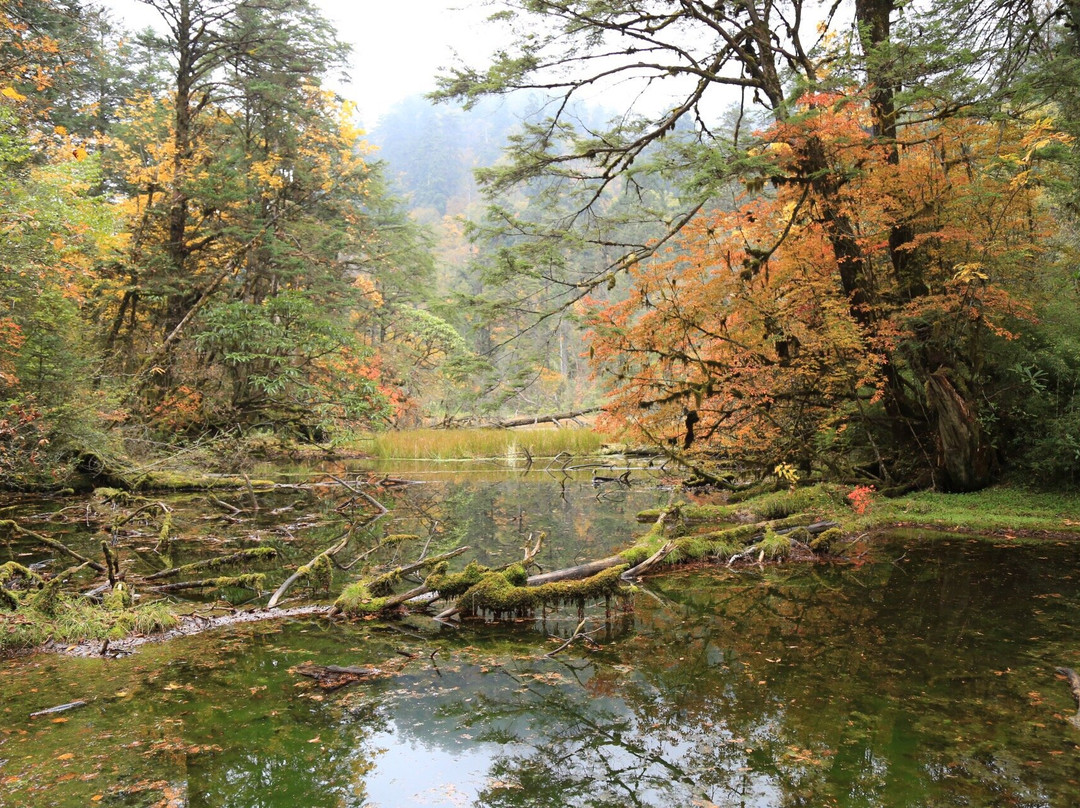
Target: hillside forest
point(820, 241)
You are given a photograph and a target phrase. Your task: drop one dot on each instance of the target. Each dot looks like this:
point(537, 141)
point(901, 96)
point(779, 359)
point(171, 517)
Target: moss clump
point(255, 581)
point(77, 620)
point(321, 575)
point(451, 585)
point(356, 600)
point(239, 557)
point(691, 514)
point(116, 496)
point(47, 600)
point(164, 542)
point(496, 593)
point(8, 600)
point(178, 481)
point(800, 535)
point(774, 545)
point(818, 498)
point(639, 552)
point(745, 533)
point(398, 538)
point(822, 542)
point(118, 598)
point(13, 572)
point(695, 548)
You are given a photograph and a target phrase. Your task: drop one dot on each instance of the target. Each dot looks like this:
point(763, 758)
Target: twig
point(251, 492)
point(578, 634)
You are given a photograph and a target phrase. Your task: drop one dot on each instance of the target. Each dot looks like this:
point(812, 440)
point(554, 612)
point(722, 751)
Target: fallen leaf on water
point(65, 756)
point(97, 798)
point(59, 720)
point(316, 739)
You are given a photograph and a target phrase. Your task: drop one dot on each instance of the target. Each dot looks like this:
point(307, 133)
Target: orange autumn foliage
point(747, 325)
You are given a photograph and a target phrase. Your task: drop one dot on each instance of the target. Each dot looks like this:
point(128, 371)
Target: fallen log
point(553, 418)
point(510, 423)
point(252, 581)
point(241, 556)
point(334, 677)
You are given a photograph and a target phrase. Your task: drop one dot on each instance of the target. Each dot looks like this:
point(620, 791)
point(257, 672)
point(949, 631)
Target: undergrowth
point(76, 620)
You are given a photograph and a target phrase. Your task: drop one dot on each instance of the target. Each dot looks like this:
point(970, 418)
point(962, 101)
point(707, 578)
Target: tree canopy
point(870, 219)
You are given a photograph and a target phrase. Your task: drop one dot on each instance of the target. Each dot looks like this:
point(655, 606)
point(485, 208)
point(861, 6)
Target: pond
point(922, 674)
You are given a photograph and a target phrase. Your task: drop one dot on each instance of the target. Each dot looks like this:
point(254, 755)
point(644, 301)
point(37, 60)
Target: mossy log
point(239, 557)
point(253, 581)
point(504, 594)
point(511, 591)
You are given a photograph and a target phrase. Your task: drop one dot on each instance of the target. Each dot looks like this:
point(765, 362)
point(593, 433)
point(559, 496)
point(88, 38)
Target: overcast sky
point(397, 46)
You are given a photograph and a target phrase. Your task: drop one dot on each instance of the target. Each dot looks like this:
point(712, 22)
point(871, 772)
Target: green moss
point(822, 542)
point(695, 548)
point(800, 534)
point(77, 620)
point(255, 581)
point(12, 570)
point(692, 514)
point(179, 481)
point(638, 553)
point(356, 600)
point(497, 594)
point(239, 557)
point(774, 545)
point(398, 538)
point(322, 574)
point(118, 598)
point(8, 600)
point(153, 618)
point(451, 585)
point(816, 498)
point(116, 496)
point(47, 600)
point(164, 543)
point(745, 533)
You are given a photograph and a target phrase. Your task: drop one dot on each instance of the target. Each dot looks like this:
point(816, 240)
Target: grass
point(998, 509)
point(992, 510)
point(464, 444)
point(76, 620)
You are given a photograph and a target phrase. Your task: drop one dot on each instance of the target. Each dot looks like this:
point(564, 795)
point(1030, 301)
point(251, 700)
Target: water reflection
point(922, 678)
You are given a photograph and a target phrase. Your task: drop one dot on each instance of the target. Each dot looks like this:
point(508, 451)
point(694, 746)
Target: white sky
point(397, 46)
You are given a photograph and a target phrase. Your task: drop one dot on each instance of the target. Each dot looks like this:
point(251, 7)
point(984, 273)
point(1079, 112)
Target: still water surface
point(921, 676)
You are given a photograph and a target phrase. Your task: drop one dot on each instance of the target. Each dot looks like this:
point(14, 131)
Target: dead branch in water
point(59, 546)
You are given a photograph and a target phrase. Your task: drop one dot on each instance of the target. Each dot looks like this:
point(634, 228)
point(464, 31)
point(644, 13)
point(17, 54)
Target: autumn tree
point(256, 222)
point(831, 114)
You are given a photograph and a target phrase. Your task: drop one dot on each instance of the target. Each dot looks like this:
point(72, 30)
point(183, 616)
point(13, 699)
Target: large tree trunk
point(964, 457)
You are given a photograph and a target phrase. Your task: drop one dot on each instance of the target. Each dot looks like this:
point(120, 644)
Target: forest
point(840, 242)
point(679, 407)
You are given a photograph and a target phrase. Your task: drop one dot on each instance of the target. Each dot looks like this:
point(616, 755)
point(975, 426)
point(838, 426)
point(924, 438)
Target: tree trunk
point(964, 455)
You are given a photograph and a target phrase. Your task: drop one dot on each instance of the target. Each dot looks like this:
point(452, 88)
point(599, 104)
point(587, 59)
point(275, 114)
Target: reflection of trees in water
point(886, 685)
point(496, 518)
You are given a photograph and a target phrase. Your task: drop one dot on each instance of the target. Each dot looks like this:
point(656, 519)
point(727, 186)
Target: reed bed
point(463, 444)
